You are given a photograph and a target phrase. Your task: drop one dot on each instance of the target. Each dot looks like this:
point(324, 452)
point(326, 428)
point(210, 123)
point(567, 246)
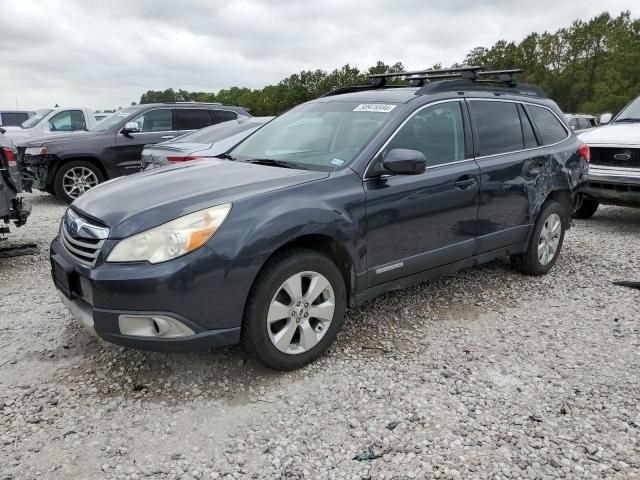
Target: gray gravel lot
point(489, 374)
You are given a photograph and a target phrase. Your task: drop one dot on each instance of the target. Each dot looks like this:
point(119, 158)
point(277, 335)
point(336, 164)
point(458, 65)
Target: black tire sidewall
point(547, 210)
point(255, 335)
point(58, 188)
point(587, 209)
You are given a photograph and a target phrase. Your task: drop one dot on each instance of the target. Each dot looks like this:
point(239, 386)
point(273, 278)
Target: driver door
point(156, 126)
point(419, 222)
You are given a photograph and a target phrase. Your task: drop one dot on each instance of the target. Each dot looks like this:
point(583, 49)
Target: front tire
point(75, 178)
point(545, 243)
point(587, 208)
point(295, 309)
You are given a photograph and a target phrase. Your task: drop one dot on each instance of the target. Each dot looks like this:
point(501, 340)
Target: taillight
point(184, 159)
point(584, 152)
point(9, 157)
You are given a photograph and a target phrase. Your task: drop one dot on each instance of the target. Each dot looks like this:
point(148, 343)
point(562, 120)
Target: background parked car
point(53, 120)
point(69, 165)
point(580, 122)
point(205, 143)
point(614, 174)
point(13, 118)
point(12, 206)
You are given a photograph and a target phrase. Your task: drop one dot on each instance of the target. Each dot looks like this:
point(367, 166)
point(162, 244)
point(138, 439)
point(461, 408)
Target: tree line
point(589, 67)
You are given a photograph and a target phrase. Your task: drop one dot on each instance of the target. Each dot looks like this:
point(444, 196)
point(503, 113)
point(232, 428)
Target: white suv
point(614, 174)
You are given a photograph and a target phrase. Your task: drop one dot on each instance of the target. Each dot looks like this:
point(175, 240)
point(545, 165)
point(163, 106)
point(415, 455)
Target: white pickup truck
point(52, 120)
point(614, 173)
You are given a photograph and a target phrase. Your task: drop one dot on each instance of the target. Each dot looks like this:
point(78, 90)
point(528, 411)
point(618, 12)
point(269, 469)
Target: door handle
point(465, 182)
point(167, 137)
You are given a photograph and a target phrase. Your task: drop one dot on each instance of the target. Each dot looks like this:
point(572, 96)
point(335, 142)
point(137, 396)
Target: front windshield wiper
point(627, 120)
point(227, 156)
point(275, 163)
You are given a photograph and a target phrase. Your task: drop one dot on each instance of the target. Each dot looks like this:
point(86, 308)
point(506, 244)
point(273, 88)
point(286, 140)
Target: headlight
point(36, 150)
point(172, 239)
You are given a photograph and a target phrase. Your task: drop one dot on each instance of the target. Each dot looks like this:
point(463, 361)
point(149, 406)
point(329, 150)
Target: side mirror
point(130, 127)
point(605, 118)
point(402, 161)
point(573, 127)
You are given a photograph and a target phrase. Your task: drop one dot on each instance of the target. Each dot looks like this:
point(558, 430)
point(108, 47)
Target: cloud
point(106, 54)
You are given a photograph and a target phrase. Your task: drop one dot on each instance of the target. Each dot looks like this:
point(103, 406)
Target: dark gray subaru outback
point(365, 190)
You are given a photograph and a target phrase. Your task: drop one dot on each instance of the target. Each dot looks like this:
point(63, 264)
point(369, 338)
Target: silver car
point(204, 143)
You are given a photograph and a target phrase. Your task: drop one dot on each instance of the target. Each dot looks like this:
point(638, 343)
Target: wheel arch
point(63, 161)
point(565, 198)
point(326, 245)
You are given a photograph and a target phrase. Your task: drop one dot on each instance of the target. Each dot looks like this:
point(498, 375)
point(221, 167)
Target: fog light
point(158, 326)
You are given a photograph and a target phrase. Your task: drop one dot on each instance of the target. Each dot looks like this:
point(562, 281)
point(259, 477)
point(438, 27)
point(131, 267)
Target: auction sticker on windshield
point(374, 107)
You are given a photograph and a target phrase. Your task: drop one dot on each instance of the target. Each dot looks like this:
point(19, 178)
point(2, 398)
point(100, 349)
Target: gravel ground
point(489, 374)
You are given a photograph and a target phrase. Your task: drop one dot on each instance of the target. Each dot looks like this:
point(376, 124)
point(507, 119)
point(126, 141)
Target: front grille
point(85, 243)
point(627, 157)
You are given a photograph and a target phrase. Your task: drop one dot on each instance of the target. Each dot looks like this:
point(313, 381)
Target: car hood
point(613, 134)
point(53, 138)
point(129, 205)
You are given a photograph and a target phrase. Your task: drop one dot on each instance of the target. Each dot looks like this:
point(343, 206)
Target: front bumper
point(614, 185)
point(200, 292)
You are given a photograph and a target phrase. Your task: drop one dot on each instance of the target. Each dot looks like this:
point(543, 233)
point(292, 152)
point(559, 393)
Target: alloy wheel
point(300, 312)
point(549, 239)
point(78, 180)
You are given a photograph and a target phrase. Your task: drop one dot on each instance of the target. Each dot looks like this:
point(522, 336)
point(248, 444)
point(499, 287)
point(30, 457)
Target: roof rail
point(470, 77)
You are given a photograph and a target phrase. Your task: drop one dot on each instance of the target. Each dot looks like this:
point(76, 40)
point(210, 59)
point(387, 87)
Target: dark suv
point(365, 190)
point(69, 165)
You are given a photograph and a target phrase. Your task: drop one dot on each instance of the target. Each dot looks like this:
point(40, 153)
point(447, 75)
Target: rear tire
point(587, 208)
point(545, 243)
point(75, 178)
point(295, 309)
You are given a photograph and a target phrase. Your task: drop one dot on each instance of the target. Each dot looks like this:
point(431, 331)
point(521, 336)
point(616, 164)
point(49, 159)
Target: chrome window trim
point(482, 157)
point(404, 122)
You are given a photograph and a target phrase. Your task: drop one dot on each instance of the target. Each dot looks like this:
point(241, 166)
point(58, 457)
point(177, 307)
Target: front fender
point(333, 207)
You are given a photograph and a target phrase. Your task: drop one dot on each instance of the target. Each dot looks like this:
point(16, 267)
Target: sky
point(105, 54)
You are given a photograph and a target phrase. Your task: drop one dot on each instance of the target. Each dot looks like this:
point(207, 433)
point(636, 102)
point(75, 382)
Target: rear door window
point(193, 119)
point(549, 127)
point(498, 127)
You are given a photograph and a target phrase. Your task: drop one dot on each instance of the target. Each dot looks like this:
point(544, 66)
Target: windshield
point(631, 112)
point(318, 136)
point(113, 119)
point(33, 121)
point(217, 132)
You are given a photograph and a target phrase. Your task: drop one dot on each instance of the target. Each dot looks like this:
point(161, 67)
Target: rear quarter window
point(551, 130)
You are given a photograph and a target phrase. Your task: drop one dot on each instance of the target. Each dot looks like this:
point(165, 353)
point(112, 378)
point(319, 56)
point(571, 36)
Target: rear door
point(155, 125)
point(510, 160)
point(192, 119)
point(418, 222)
